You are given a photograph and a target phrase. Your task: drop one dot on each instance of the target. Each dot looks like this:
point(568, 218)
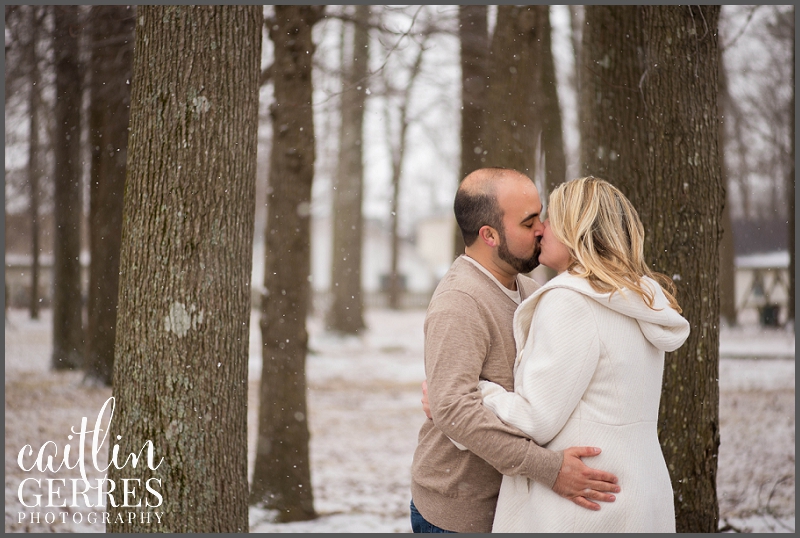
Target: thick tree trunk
point(282, 475)
point(612, 107)
point(685, 207)
point(512, 127)
point(111, 65)
point(652, 128)
point(346, 314)
point(180, 371)
point(34, 164)
point(678, 190)
point(473, 37)
point(68, 337)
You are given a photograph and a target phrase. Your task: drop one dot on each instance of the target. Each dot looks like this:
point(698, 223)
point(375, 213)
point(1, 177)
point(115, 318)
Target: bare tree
point(397, 136)
point(512, 127)
point(652, 129)
point(473, 34)
point(611, 105)
point(29, 80)
point(180, 367)
point(758, 48)
point(68, 337)
point(346, 314)
point(759, 119)
point(781, 27)
point(282, 475)
point(737, 127)
point(576, 37)
point(681, 99)
point(110, 67)
point(790, 182)
point(23, 23)
point(35, 15)
point(551, 162)
point(547, 104)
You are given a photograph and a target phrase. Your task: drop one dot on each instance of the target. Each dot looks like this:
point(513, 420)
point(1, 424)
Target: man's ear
point(489, 236)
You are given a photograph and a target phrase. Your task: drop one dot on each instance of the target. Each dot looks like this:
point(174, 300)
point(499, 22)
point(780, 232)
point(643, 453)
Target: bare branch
point(730, 43)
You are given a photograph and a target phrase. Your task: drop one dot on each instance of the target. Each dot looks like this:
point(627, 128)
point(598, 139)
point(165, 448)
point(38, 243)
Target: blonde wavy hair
point(605, 238)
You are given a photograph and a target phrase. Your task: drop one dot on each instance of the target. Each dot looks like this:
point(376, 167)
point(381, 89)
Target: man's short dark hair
point(477, 209)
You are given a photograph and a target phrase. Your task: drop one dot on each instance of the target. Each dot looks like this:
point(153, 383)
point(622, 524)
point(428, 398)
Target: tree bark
point(282, 475)
point(576, 17)
point(654, 129)
point(551, 165)
point(181, 361)
point(473, 37)
point(549, 109)
point(68, 337)
point(346, 314)
point(111, 65)
point(686, 199)
point(512, 127)
point(650, 101)
point(34, 156)
point(612, 107)
point(790, 184)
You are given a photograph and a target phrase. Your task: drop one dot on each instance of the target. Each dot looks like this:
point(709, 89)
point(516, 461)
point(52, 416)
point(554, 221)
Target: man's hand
point(425, 406)
point(580, 483)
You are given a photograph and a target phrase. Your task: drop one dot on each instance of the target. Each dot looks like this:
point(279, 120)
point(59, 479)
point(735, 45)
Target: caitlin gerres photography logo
point(45, 497)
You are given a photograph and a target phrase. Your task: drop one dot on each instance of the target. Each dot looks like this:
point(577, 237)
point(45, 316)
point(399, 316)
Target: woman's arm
point(557, 363)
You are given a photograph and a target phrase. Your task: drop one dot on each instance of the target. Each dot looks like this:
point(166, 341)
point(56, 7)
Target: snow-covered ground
point(364, 414)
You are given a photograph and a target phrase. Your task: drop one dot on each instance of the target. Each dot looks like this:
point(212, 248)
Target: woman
point(589, 370)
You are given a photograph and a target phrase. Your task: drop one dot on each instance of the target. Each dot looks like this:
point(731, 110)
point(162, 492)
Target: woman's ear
point(489, 236)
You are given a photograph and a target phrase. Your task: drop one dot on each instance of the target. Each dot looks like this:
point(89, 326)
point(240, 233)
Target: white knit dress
point(589, 373)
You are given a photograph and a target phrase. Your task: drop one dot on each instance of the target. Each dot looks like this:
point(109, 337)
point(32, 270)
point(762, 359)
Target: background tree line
point(169, 173)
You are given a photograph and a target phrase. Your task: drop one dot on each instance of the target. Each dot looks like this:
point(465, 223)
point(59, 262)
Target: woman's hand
point(425, 406)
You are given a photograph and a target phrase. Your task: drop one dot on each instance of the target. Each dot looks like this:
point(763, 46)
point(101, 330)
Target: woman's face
point(554, 253)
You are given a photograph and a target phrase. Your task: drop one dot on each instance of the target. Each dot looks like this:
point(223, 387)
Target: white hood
point(663, 327)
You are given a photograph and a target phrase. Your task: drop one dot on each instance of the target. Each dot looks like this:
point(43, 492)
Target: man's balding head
point(476, 203)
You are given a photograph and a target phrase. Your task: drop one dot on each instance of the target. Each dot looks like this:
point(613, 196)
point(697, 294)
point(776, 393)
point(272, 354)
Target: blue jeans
point(420, 524)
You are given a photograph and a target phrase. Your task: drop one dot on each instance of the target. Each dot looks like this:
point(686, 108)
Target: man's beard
point(521, 265)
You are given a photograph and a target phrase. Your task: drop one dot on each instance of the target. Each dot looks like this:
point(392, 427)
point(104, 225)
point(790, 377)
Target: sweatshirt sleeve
point(457, 342)
point(557, 364)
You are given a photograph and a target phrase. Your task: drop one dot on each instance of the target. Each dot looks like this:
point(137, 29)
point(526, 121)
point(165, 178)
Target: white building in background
point(375, 258)
point(762, 271)
point(435, 242)
point(762, 288)
point(423, 259)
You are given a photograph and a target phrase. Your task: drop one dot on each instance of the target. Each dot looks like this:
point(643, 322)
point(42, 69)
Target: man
point(464, 451)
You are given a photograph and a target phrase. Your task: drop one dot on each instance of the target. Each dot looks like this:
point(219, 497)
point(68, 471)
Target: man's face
point(522, 226)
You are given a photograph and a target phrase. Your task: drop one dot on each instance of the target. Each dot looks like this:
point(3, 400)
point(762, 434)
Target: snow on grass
point(365, 413)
